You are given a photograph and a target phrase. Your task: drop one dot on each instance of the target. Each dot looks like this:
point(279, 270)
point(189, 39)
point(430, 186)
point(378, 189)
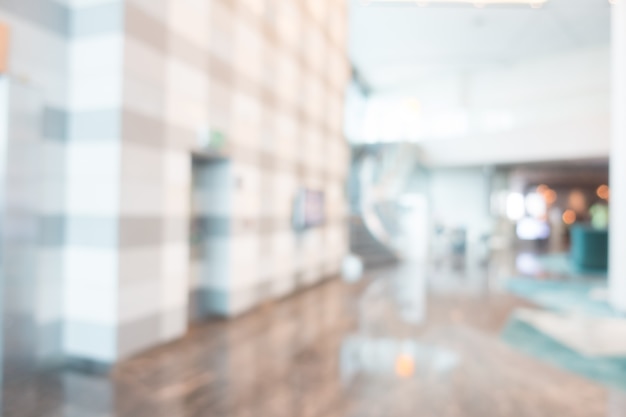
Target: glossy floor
point(405, 341)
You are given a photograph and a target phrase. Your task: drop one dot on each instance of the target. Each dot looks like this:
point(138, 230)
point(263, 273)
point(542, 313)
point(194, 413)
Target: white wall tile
point(177, 168)
point(174, 325)
point(94, 160)
point(142, 162)
point(92, 267)
point(157, 9)
point(89, 197)
point(139, 298)
point(141, 198)
point(96, 55)
point(144, 97)
point(93, 341)
point(95, 92)
point(176, 201)
point(143, 62)
point(93, 304)
point(190, 19)
point(174, 290)
point(140, 263)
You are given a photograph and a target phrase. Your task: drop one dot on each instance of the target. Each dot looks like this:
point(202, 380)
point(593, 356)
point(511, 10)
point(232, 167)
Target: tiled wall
point(38, 67)
point(24, 307)
point(130, 86)
point(93, 167)
point(269, 76)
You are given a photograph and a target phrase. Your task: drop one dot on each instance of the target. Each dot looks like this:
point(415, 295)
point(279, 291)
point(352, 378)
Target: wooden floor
point(389, 346)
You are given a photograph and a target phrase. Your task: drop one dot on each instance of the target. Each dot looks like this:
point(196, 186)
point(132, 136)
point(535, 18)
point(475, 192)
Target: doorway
point(209, 233)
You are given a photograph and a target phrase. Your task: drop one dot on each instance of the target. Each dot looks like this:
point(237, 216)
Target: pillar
point(617, 263)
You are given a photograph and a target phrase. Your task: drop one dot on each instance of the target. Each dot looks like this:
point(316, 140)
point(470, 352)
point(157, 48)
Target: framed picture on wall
point(309, 209)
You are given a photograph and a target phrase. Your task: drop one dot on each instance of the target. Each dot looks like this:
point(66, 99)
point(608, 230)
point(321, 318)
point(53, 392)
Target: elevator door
point(210, 229)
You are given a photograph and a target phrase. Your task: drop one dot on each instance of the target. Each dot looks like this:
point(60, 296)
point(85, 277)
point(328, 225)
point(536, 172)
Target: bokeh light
point(515, 206)
point(550, 196)
point(603, 192)
point(536, 205)
point(569, 217)
point(405, 366)
point(577, 201)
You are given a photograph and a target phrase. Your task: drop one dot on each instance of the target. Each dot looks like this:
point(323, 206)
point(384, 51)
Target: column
point(90, 231)
point(617, 263)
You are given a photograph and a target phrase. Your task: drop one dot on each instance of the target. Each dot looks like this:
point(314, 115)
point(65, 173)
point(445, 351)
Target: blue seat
point(590, 248)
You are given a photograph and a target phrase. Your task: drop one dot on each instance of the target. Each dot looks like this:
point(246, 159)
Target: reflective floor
point(404, 341)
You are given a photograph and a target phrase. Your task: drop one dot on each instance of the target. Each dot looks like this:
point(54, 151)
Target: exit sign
point(211, 139)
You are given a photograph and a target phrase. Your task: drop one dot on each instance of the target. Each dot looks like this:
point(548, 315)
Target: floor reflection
point(405, 341)
point(390, 357)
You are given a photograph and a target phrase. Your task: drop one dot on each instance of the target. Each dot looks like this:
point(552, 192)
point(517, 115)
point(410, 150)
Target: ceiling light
point(477, 3)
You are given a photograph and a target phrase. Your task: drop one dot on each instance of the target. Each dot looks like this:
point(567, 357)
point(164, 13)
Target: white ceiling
point(395, 44)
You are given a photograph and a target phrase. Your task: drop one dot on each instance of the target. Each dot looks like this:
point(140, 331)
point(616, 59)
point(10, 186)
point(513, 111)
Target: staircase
point(365, 245)
point(379, 177)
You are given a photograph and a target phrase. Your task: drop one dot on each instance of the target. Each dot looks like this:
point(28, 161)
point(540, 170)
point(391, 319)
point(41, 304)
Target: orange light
point(603, 192)
point(569, 217)
point(405, 366)
point(550, 196)
point(542, 189)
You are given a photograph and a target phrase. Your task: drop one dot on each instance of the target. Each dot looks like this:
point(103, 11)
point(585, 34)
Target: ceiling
point(399, 43)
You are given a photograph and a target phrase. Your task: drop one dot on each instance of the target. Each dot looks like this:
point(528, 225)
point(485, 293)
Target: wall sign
point(211, 139)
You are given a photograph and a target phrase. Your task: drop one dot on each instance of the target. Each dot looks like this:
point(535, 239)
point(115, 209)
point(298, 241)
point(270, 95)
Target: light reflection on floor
point(406, 341)
point(367, 352)
point(400, 358)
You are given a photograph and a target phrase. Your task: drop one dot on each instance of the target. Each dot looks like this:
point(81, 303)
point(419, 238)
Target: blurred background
point(315, 208)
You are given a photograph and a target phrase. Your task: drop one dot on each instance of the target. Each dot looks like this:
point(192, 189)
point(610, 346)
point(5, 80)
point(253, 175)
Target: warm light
point(577, 201)
point(569, 217)
point(550, 196)
point(405, 366)
point(603, 192)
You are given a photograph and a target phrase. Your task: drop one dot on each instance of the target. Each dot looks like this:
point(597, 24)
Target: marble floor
point(404, 341)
